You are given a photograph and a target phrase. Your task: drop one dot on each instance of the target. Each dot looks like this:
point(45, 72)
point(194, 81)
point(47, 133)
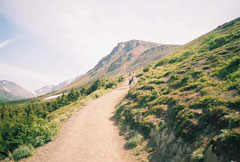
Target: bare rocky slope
point(125, 58)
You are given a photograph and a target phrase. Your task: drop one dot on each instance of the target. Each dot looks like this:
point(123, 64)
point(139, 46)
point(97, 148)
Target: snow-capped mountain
point(52, 88)
point(10, 91)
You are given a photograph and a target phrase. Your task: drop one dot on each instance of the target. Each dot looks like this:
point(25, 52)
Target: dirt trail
point(89, 135)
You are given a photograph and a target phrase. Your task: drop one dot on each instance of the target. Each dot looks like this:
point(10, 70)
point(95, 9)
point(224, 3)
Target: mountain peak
point(11, 91)
point(135, 43)
point(6, 82)
point(125, 58)
point(131, 44)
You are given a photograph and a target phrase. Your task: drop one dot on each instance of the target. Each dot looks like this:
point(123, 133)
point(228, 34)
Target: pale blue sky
point(48, 41)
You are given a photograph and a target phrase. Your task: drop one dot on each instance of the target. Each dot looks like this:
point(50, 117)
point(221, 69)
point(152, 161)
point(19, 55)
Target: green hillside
point(187, 104)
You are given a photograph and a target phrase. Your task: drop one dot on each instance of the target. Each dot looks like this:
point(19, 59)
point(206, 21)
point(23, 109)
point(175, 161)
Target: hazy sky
point(48, 41)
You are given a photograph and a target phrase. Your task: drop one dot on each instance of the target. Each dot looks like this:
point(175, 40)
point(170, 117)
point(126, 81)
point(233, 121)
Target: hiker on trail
point(131, 81)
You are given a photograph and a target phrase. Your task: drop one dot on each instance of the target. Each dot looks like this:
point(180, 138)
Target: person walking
point(131, 81)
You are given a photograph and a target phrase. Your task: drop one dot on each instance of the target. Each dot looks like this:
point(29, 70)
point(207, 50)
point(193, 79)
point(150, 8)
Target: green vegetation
point(22, 151)
point(133, 139)
point(146, 69)
point(32, 123)
point(193, 93)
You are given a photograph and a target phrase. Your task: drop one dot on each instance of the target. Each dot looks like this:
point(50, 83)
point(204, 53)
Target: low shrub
point(207, 101)
point(165, 90)
point(157, 110)
point(160, 63)
point(215, 116)
point(235, 76)
point(234, 103)
point(22, 151)
point(42, 132)
point(196, 74)
point(110, 85)
point(133, 139)
point(231, 67)
point(189, 87)
point(197, 155)
point(146, 87)
point(139, 75)
point(217, 42)
point(173, 78)
point(227, 144)
point(146, 69)
point(157, 82)
point(234, 85)
point(95, 86)
point(180, 83)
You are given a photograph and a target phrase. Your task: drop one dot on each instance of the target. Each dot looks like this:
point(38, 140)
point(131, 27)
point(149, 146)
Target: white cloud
point(25, 77)
point(77, 27)
point(74, 25)
point(7, 42)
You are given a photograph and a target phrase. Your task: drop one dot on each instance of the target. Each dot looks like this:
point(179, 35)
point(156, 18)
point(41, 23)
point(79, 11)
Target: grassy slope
point(193, 93)
point(151, 55)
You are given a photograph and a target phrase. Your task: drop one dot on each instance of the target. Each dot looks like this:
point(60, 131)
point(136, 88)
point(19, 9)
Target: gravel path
point(89, 135)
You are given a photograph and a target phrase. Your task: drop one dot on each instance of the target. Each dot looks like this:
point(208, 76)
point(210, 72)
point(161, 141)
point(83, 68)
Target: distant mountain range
point(51, 88)
point(125, 58)
point(10, 91)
